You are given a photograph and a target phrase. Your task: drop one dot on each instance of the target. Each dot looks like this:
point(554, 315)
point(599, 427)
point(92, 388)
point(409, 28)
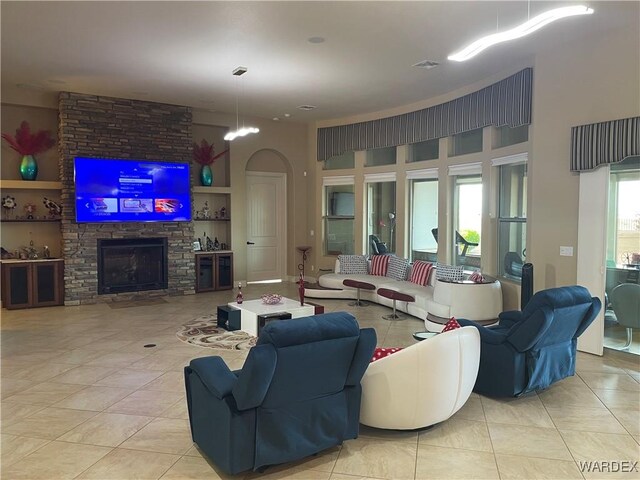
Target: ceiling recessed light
point(426, 64)
point(275, 119)
point(315, 39)
point(287, 115)
point(306, 108)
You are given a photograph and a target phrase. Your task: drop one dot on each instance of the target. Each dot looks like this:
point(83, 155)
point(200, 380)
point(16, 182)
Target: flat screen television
point(114, 190)
point(342, 204)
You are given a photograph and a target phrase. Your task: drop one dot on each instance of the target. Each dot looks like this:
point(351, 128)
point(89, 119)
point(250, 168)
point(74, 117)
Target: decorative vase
point(28, 167)
point(206, 176)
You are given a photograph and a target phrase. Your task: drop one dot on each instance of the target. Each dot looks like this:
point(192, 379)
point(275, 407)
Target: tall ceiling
point(184, 52)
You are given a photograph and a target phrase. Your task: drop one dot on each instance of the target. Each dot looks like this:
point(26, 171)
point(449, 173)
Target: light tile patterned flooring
point(82, 398)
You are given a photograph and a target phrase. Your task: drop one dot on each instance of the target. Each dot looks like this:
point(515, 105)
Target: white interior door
point(266, 226)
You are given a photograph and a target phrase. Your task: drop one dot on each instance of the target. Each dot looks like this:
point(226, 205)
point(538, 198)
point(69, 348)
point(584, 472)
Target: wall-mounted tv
point(342, 204)
point(110, 190)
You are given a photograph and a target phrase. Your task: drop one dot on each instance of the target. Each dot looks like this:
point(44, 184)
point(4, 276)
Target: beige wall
point(580, 83)
point(280, 146)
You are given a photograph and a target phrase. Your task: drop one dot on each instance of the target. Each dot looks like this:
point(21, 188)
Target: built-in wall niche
point(220, 168)
point(212, 214)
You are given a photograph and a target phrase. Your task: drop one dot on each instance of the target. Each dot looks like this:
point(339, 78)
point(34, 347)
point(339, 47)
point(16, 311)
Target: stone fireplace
point(104, 127)
point(132, 265)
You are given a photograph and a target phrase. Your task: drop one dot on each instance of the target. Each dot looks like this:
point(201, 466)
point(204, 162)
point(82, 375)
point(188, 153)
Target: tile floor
point(82, 398)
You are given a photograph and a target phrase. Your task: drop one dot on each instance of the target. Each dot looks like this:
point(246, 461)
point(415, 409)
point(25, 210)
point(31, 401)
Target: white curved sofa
point(438, 300)
point(423, 384)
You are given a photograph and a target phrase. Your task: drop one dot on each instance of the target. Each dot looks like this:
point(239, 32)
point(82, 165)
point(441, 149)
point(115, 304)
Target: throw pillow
point(397, 268)
point(354, 264)
point(452, 324)
point(476, 277)
point(379, 353)
point(420, 272)
point(379, 264)
point(449, 272)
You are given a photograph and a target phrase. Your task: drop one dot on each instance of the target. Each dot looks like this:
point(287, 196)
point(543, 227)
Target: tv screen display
point(131, 191)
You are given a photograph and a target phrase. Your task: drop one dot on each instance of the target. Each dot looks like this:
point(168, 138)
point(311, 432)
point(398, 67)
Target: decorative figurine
point(30, 208)
point(216, 244)
point(206, 213)
point(9, 204)
point(55, 209)
point(209, 244)
point(223, 212)
point(215, 215)
point(46, 253)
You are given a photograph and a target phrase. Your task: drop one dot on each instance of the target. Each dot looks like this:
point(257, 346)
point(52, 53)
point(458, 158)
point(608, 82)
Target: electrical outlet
point(312, 233)
point(566, 251)
point(312, 268)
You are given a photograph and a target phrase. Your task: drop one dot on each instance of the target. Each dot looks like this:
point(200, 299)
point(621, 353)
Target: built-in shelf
point(30, 185)
point(211, 189)
point(35, 220)
point(211, 219)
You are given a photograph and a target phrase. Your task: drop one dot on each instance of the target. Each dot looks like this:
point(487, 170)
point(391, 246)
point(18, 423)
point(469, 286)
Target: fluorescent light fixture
point(241, 132)
point(526, 28)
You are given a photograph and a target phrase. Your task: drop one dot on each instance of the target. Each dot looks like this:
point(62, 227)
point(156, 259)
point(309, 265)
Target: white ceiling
point(183, 52)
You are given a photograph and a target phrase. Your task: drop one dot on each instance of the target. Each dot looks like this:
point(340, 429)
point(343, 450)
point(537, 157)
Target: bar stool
point(394, 295)
point(357, 284)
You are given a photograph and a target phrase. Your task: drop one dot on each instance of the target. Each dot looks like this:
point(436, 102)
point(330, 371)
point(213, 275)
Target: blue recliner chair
point(531, 349)
point(298, 393)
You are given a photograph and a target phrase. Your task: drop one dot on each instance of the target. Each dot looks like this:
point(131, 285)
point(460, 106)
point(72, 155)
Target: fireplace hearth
point(132, 265)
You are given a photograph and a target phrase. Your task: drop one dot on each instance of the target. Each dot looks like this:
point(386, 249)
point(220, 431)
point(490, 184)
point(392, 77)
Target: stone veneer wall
point(104, 127)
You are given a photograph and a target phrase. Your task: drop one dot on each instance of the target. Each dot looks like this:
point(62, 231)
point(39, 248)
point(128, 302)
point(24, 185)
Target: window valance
point(507, 102)
point(605, 142)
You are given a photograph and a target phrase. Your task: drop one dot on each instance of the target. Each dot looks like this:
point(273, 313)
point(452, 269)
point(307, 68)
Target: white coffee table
point(250, 309)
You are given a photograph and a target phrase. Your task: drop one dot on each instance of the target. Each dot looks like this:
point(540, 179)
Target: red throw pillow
point(452, 324)
point(420, 272)
point(379, 264)
point(379, 353)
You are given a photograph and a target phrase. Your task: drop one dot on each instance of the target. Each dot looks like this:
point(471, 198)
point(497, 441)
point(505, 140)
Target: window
point(423, 218)
point(505, 136)
point(512, 219)
point(623, 229)
point(381, 156)
point(381, 213)
point(339, 162)
point(338, 215)
point(467, 215)
point(465, 142)
point(428, 150)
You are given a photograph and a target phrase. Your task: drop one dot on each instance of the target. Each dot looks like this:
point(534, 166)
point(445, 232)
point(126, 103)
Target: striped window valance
point(605, 142)
point(507, 102)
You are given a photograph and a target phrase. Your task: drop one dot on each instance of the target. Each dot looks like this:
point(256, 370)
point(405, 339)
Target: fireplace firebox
point(132, 265)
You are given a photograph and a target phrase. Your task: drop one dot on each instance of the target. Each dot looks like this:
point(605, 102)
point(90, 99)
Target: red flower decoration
point(204, 153)
point(26, 143)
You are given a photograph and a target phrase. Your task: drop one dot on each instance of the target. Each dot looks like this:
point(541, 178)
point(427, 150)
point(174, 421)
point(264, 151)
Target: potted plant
point(204, 154)
point(29, 144)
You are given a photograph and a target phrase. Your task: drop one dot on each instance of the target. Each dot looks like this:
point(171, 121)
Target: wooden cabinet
point(214, 271)
point(35, 283)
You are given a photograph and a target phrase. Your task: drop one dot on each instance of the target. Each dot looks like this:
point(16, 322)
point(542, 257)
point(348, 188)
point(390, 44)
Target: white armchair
point(423, 384)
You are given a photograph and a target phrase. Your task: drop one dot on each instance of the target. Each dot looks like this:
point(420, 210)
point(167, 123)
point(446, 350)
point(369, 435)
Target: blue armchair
point(298, 393)
point(531, 349)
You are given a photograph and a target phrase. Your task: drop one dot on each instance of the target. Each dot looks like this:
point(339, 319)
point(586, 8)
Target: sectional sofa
point(434, 303)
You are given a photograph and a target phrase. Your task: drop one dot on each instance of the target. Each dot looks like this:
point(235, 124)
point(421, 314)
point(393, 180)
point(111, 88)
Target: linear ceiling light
point(526, 28)
point(244, 131)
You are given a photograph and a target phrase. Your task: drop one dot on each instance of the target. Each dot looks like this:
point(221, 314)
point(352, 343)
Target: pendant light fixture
point(526, 28)
point(244, 131)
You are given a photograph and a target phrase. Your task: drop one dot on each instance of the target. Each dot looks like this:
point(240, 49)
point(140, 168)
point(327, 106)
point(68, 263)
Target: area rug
point(204, 332)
